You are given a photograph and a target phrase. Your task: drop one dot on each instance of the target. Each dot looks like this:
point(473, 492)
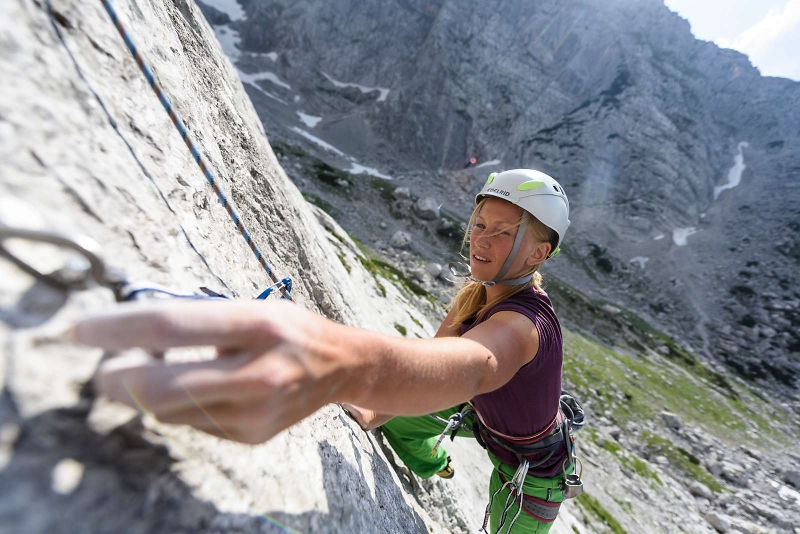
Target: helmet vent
point(530, 184)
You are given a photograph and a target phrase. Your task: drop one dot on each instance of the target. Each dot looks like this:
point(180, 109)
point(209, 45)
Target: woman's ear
point(539, 254)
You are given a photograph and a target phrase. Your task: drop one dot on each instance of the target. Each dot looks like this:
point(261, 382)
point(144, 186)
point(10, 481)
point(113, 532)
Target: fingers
point(160, 326)
point(359, 415)
point(158, 388)
point(250, 423)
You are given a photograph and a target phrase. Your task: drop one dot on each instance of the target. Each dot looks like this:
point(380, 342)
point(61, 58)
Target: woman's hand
point(366, 419)
point(277, 364)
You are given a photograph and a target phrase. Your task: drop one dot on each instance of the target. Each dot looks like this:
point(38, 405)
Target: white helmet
point(538, 194)
point(535, 192)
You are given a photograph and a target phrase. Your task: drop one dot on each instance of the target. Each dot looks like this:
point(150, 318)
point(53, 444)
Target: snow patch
point(266, 75)
point(356, 168)
point(246, 78)
point(318, 141)
point(735, 174)
point(680, 235)
point(641, 261)
point(296, 99)
point(493, 162)
point(364, 89)
point(229, 40)
point(229, 7)
point(309, 120)
point(273, 56)
point(659, 237)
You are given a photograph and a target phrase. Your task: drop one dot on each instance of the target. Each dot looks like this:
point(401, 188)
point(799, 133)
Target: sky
point(768, 31)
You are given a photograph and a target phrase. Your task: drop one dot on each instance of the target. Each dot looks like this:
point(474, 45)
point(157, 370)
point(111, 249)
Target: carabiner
point(65, 281)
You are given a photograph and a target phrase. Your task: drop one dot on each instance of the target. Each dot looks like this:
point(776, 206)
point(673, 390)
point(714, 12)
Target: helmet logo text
point(498, 191)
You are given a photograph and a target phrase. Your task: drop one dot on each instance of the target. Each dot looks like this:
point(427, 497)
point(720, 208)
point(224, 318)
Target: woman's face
point(492, 239)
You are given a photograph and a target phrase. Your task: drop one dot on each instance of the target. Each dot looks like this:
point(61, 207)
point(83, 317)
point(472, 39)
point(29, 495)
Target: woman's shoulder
point(527, 299)
point(529, 295)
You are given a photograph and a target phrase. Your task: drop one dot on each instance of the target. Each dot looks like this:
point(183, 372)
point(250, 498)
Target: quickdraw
point(94, 271)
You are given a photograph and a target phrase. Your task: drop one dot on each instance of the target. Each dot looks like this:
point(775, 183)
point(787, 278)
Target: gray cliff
point(681, 161)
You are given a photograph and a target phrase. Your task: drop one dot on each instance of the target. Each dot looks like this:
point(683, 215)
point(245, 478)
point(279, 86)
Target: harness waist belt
point(539, 509)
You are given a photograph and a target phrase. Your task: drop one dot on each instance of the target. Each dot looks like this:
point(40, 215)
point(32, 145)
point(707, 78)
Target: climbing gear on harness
point(543, 510)
point(452, 425)
point(93, 270)
point(569, 418)
point(448, 471)
point(538, 194)
point(515, 493)
point(176, 120)
point(572, 486)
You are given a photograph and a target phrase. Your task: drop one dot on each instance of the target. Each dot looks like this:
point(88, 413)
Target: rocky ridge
point(680, 160)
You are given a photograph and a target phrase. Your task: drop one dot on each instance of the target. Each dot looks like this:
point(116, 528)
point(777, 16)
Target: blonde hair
point(470, 302)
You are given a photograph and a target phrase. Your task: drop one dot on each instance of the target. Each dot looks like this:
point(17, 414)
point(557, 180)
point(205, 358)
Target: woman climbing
point(499, 348)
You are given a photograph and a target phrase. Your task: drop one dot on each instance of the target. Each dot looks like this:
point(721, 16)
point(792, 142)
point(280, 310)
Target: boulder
point(700, 490)
point(434, 269)
point(672, 420)
point(719, 522)
point(427, 208)
point(400, 239)
point(736, 474)
point(792, 477)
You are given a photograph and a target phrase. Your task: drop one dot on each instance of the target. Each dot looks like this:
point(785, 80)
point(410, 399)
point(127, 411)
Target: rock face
point(680, 160)
point(71, 463)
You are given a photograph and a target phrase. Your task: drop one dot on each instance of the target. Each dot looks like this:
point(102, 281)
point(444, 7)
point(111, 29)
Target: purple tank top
point(527, 403)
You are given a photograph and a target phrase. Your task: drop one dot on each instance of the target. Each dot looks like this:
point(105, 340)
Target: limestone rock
point(400, 239)
point(434, 269)
point(719, 522)
point(427, 208)
point(672, 421)
point(700, 490)
point(70, 463)
point(792, 477)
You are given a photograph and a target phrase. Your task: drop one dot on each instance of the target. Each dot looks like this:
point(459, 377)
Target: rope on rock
point(53, 22)
point(176, 120)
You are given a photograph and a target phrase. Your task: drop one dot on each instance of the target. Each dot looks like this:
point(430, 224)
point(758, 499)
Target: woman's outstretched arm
point(279, 363)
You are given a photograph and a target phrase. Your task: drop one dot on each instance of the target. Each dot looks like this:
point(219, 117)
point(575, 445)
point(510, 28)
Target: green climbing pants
point(413, 438)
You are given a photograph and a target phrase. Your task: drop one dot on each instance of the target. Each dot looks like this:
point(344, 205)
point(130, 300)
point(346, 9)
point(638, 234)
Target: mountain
point(88, 152)
point(682, 162)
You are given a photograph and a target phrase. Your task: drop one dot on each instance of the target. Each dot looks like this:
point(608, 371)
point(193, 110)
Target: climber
point(499, 348)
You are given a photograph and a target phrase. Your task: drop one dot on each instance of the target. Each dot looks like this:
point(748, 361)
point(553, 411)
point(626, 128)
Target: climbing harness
point(75, 276)
point(569, 418)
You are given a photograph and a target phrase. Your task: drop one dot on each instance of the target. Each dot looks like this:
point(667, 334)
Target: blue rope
point(176, 120)
point(133, 295)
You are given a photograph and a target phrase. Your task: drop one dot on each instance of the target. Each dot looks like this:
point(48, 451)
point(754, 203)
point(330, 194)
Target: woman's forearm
point(409, 377)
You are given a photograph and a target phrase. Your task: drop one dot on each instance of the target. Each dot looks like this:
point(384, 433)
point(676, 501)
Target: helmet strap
point(498, 280)
point(512, 255)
